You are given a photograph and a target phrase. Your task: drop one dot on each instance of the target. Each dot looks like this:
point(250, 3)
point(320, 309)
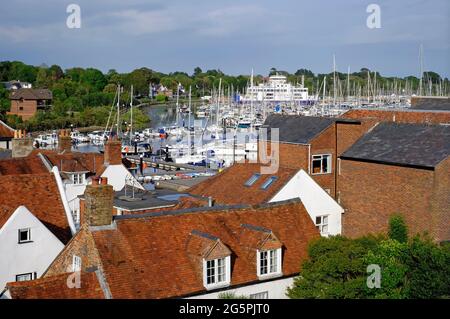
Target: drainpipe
point(309, 159)
point(64, 200)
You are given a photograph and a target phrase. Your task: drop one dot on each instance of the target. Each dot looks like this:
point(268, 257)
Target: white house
point(27, 247)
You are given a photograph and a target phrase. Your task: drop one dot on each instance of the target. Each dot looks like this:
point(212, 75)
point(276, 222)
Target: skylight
point(252, 180)
point(268, 182)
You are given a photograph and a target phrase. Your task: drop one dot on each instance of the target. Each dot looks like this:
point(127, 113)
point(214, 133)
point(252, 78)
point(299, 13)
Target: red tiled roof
point(74, 161)
point(147, 257)
point(22, 165)
point(40, 195)
point(5, 130)
point(55, 287)
point(228, 186)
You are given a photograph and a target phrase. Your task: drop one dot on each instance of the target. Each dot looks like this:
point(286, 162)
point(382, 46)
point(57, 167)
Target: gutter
point(65, 202)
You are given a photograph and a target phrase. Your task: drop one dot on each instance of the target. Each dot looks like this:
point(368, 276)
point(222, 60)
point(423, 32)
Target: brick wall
point(113, 152)
point(370, 193)
point(29, 108)
point(440, 204)
point(83, 246)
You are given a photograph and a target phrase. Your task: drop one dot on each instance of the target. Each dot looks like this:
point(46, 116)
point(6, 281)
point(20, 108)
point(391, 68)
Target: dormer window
point(78, 179)
point(216, 273)
point(269, 263)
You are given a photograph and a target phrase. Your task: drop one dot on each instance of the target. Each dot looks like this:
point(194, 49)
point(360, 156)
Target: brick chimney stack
point(22, 145)
point(64, 141)
point(113, 152)
point(98, 205)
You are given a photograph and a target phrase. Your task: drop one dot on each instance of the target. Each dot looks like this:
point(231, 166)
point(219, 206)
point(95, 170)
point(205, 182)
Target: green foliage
point(161, 98)
point(398, 229)
point(231, 295)
point(337, 268)
point(140, 119)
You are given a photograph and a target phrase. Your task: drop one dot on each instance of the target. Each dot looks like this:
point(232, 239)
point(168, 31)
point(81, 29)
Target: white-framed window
point(260, 295)
point(268, 262)
point(322, 224)
point(26, 277)
point(321, 164)
point(76, 263)
point(78, 179)
point(24, 235)
point(216, 273)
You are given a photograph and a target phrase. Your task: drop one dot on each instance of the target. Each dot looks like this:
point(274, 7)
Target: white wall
point(315, 199)
point(276, 289)
point(118, 175)
point(24, 258)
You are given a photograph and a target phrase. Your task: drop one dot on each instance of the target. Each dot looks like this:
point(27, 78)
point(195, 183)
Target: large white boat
point(277, 89)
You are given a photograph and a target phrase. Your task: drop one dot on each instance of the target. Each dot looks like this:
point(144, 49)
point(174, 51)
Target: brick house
point(26, 102)
point(188, 253)
point(397, 168)
point(314, 143)
point(6, 135)
point(418, 116)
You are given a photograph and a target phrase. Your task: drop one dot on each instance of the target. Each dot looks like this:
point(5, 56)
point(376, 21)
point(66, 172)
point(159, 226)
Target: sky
point(234, 36)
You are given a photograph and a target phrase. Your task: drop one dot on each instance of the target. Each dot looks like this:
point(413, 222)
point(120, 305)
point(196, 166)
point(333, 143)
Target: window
point(322, 224)
point(76, 215)
point(269, 262)
point(24, 235)
point(25, 277)
point(321, 164)
point(78, 178)
point(252, 180)
point(76, 263)
point(260, 295)
point(217, 272)
point(268, 182)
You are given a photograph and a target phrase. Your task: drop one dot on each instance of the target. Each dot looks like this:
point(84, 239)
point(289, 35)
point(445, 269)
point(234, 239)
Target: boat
point(47, 139)
point(77, 137)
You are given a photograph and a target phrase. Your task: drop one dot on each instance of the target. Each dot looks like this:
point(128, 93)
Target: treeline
point(78, 93)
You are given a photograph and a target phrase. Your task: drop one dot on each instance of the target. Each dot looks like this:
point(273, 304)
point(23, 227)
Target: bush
point(398, 229)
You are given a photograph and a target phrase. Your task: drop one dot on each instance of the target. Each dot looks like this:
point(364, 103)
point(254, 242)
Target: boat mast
point(131, 115)
point(177, 105)
point(334, 80)
point(118, 112)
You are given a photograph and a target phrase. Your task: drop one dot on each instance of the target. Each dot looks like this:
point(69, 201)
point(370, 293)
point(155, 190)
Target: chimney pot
point(104, 180)
point(95, 181)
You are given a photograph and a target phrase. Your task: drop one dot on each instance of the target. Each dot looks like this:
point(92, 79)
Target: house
point(313, 143)
point(397, 169)
point(26, 102)
point(188, 253)
point(6, 135)
point(412, 115)
point(34, 226)
point(243, 183)
point(430, 103)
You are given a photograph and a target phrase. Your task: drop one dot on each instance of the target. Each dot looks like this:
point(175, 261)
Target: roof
point(403, 144)
point(228, 187)
point(74, 161)
point(297, 129)
point(39, 193)
point(153, 256)
point(31, 94)
point(143, 199)
point(437, 103)
point(55, 287)
point(22, 165)
point(5, 130)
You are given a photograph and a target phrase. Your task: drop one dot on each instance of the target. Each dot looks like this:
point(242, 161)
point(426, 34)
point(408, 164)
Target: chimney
point(21, 144)
point(113, 152)
point(98, 206)
point(64, 141)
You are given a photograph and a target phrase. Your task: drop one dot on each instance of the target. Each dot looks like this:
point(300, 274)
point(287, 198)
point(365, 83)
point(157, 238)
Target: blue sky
point(233, 35)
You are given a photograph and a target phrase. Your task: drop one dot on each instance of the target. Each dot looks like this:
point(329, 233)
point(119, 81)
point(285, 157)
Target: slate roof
point(228, 187)
point(55, 287)
point(403, 144)
point(298, 129)
point(31, 94)
point(432, 103)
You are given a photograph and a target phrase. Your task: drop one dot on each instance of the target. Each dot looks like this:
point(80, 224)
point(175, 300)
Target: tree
point(398, 229)
point(197, 71)
point(336, 269)
point(94, 78)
